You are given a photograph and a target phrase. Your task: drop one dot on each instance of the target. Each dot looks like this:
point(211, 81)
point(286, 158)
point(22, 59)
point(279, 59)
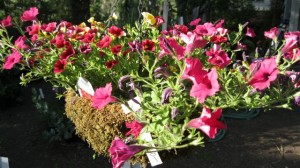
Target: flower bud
point(297, 100)
point(161, 72)
point(123, 82)
point(174, 113)
point(166, 95)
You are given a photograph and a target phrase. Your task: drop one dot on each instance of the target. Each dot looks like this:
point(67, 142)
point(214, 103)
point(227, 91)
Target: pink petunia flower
point(169, 46)
point(218, 57)
point(291, 41)
point(50, 27)
point(192, 41)
point(272, 33)
point(207, 29)
point(60, 66)
point(120, 152)
point(6, 22)
point(33, 29)
point(12, 59)
point(195, 22)
point(159, 20)
point(207, 86)
point(193, 70)
point(103, 96)
point(104, 42)
point(250, 32)
point(208, 122)
point(20, 43)
point(135, 128)
point(265, 74)
point(30, 15)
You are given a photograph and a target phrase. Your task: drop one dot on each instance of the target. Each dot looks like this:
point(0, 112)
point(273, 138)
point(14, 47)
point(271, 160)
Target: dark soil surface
point(272, 140)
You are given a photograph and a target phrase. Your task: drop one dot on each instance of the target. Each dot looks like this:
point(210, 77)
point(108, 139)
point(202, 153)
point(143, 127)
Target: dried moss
point(98, 127)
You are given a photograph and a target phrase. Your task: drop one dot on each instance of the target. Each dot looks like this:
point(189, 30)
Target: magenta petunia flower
point(291, 41)
point(20, 43)
point(103, 96)
point(208, 122)
point(272, 33)
point(120, 152)
point(159, 20)
point(85, 48)
point(218, 57)
point(30, 15)
point(60, 66)
point(192, 41)
point(265, 74)
point(250, 32)
point(12, 59)
point(135, 128)
point(104, 42)
point(6, 22)
point(193, 70)
point(207, 86)
point(88, 37)
point(207, 29)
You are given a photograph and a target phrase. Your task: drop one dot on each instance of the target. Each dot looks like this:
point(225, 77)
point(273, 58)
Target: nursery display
point(154, 90)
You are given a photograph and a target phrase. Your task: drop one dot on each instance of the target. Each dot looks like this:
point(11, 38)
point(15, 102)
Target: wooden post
point(165, 14)
point(294, 18)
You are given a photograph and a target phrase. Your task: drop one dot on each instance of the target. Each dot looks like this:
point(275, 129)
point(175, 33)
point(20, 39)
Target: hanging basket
point(98, 127)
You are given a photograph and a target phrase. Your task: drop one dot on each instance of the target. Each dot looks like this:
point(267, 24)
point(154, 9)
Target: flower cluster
point(179, 80)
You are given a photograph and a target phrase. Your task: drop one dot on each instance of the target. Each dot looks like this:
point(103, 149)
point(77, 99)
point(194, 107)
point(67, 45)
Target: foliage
point(59, 127)
point(176, 83)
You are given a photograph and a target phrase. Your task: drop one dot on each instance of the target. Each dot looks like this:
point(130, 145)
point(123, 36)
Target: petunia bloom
point(67, 53)
point(116, 49)
point(148, 45)
point(272, 34)
point(6, 22)
point(104, 42)
point(30, 15)
point(195, 22)
point(135, 128)
point(103, 96)
point(250, 32)
point(12, 59)
point(148, 18)
point(208, 122)
point(20, 43)
point(218, 57)
point(111, 64)
point(265, 74)
point(85, 48)
point(193, 70)
point(192, 41)
point(120, 152)
point(60, 66)
point(116, 31)
point(169, 46)
point(208, 86)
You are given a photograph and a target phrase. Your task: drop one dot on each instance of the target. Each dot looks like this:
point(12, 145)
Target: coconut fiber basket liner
point(98, 127)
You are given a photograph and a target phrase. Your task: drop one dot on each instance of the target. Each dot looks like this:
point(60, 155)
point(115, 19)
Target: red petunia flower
point(30, 15)
point(103, 96)
point(12, 59)
point(116, 49)
point(50, 27)
point(68, 52)
point(104, 42)
point(33, 29)
point(116, 31)
point(60, 66)
point(6, 22)
point(208, 122)
point(265, 74)
point(218, 57)
point(159, 20)
point(148, 45)
point(111, 64)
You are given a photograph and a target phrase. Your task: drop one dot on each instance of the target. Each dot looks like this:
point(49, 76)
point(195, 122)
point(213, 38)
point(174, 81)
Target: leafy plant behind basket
point(59, 127)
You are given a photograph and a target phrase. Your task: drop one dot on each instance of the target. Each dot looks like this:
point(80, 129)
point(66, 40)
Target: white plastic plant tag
point(153, 156)
point(84, 85)
point(133, 104)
